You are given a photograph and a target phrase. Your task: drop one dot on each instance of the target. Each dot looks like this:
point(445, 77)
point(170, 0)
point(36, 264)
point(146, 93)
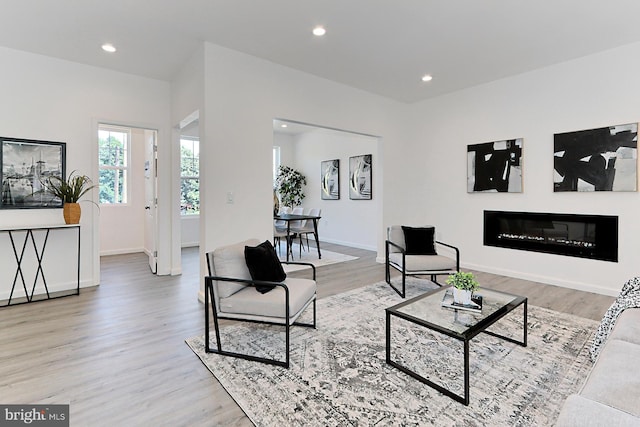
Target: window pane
point(113, 148)
point(189, 196)
point(189, 171)
point(113, 158)
point(112, 186)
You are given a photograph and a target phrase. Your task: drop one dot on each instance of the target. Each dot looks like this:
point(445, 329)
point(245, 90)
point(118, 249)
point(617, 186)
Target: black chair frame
point(209, 295)
point(402, 292)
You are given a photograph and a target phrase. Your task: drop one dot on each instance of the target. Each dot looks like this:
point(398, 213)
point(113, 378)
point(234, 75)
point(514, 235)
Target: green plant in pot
point(289, 184)
point(70, 190)
point(464, 284)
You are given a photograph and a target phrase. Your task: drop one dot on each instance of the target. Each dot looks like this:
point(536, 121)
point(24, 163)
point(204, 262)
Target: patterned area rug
point(338, 373)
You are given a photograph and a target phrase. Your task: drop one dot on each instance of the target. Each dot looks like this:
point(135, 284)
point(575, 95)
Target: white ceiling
point(379, 46)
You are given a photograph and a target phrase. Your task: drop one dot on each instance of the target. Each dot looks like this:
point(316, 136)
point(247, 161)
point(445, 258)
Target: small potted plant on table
point(463, 286)
point(70, 191)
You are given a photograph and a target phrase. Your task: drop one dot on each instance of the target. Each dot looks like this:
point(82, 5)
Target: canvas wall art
point(26, 165)
point(330, 179)
point(495, 166)
point(360, 177)
point(603, 159)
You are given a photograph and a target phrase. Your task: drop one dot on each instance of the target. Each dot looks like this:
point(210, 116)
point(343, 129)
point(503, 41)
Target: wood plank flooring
point(116, 353)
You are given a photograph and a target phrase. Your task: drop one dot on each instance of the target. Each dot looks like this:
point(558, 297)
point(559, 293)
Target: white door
point(151, 197)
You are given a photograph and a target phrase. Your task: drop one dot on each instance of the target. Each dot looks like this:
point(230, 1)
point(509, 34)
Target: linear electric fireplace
point(584, 236)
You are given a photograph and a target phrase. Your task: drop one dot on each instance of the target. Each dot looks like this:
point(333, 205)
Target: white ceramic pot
point(461, 296)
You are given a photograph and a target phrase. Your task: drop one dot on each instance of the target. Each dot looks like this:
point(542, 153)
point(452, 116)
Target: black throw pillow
point(419, 240)
point(263, 264)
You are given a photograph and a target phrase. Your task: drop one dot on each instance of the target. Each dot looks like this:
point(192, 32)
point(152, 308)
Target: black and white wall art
point(495, 166)
point(603, 159)
point(330, 179)
point(26, 165)
point(360, 177)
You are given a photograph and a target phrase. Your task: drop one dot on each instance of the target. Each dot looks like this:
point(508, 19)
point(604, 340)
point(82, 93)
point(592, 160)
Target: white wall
point(594, 91)
point(287, 146)
point(51, 99)
point(243, 95)
point(187, 100)
point(344, 221)
point(122, 225)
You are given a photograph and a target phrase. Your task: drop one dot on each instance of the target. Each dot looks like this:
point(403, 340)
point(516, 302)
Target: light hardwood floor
point(116, 353)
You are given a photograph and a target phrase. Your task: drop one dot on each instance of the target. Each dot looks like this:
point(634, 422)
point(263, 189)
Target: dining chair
point(279, 223)
point(307, 228)
point(296, 211)
point(278, 234)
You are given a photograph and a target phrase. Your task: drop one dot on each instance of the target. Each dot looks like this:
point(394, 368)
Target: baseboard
point(579, 286)
point(122, 251)
point(53, 288)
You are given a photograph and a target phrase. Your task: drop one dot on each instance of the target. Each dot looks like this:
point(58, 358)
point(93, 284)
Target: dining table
point(296, 217)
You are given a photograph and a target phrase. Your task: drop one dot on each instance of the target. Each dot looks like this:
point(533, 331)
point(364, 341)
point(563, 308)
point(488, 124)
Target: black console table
point(19, 249)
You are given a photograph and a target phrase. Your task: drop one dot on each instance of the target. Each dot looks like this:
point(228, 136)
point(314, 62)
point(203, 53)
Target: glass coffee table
point(427, 311)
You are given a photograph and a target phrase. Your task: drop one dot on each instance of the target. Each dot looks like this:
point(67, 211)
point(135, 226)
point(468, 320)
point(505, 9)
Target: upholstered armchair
point(246, 282)
point(414, 252)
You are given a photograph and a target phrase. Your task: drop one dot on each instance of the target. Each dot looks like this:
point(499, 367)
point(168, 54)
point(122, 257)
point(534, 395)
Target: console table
point(19, 250)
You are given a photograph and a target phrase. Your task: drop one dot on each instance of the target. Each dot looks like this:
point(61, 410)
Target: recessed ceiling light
point(426, 78)
point(283, 125)
point(108, 47)
point(319, 31)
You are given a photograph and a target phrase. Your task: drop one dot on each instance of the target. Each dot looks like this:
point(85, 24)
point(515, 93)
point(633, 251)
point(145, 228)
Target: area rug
point(338, 374)
point(311, 256)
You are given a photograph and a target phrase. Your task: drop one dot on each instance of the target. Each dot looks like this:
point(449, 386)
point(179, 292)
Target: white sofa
point(611, 394)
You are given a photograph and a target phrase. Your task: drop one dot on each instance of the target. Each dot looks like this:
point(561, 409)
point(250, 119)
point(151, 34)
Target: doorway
point(304, 146)
point(127, 170)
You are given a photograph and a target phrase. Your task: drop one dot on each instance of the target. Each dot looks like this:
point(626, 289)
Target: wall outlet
point(230, 197)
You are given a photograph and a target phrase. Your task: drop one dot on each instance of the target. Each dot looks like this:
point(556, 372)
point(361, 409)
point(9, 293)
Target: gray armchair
point(418, 256)
point(235, 295)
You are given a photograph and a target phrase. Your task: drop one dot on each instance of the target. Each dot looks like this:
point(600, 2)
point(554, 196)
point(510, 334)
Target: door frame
point(96, 122)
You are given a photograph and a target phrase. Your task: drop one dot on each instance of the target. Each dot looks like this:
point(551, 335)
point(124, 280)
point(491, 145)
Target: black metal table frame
point(19, 257)
point(465, 338)
point(294, 217)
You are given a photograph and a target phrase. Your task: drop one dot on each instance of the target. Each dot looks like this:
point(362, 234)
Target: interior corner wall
point(243, 94)
point(344, 221)
point(595, 91)
point(50, 99)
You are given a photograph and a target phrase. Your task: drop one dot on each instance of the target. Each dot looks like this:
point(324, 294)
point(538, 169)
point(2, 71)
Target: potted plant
point(70, 191)
point(463, 286)
point(289, 184)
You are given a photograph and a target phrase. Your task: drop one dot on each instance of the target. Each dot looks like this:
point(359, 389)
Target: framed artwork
point(330, 179)
point(495, 166)
point(603, 159)
point(360, 177)
point(26, 165)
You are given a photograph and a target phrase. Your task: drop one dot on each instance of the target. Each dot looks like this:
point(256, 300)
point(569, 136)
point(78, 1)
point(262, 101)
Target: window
point(113, 152)
point(189, 176)
point(276, 163)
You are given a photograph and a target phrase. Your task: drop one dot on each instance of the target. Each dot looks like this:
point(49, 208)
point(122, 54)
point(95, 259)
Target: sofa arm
point(579, 411)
